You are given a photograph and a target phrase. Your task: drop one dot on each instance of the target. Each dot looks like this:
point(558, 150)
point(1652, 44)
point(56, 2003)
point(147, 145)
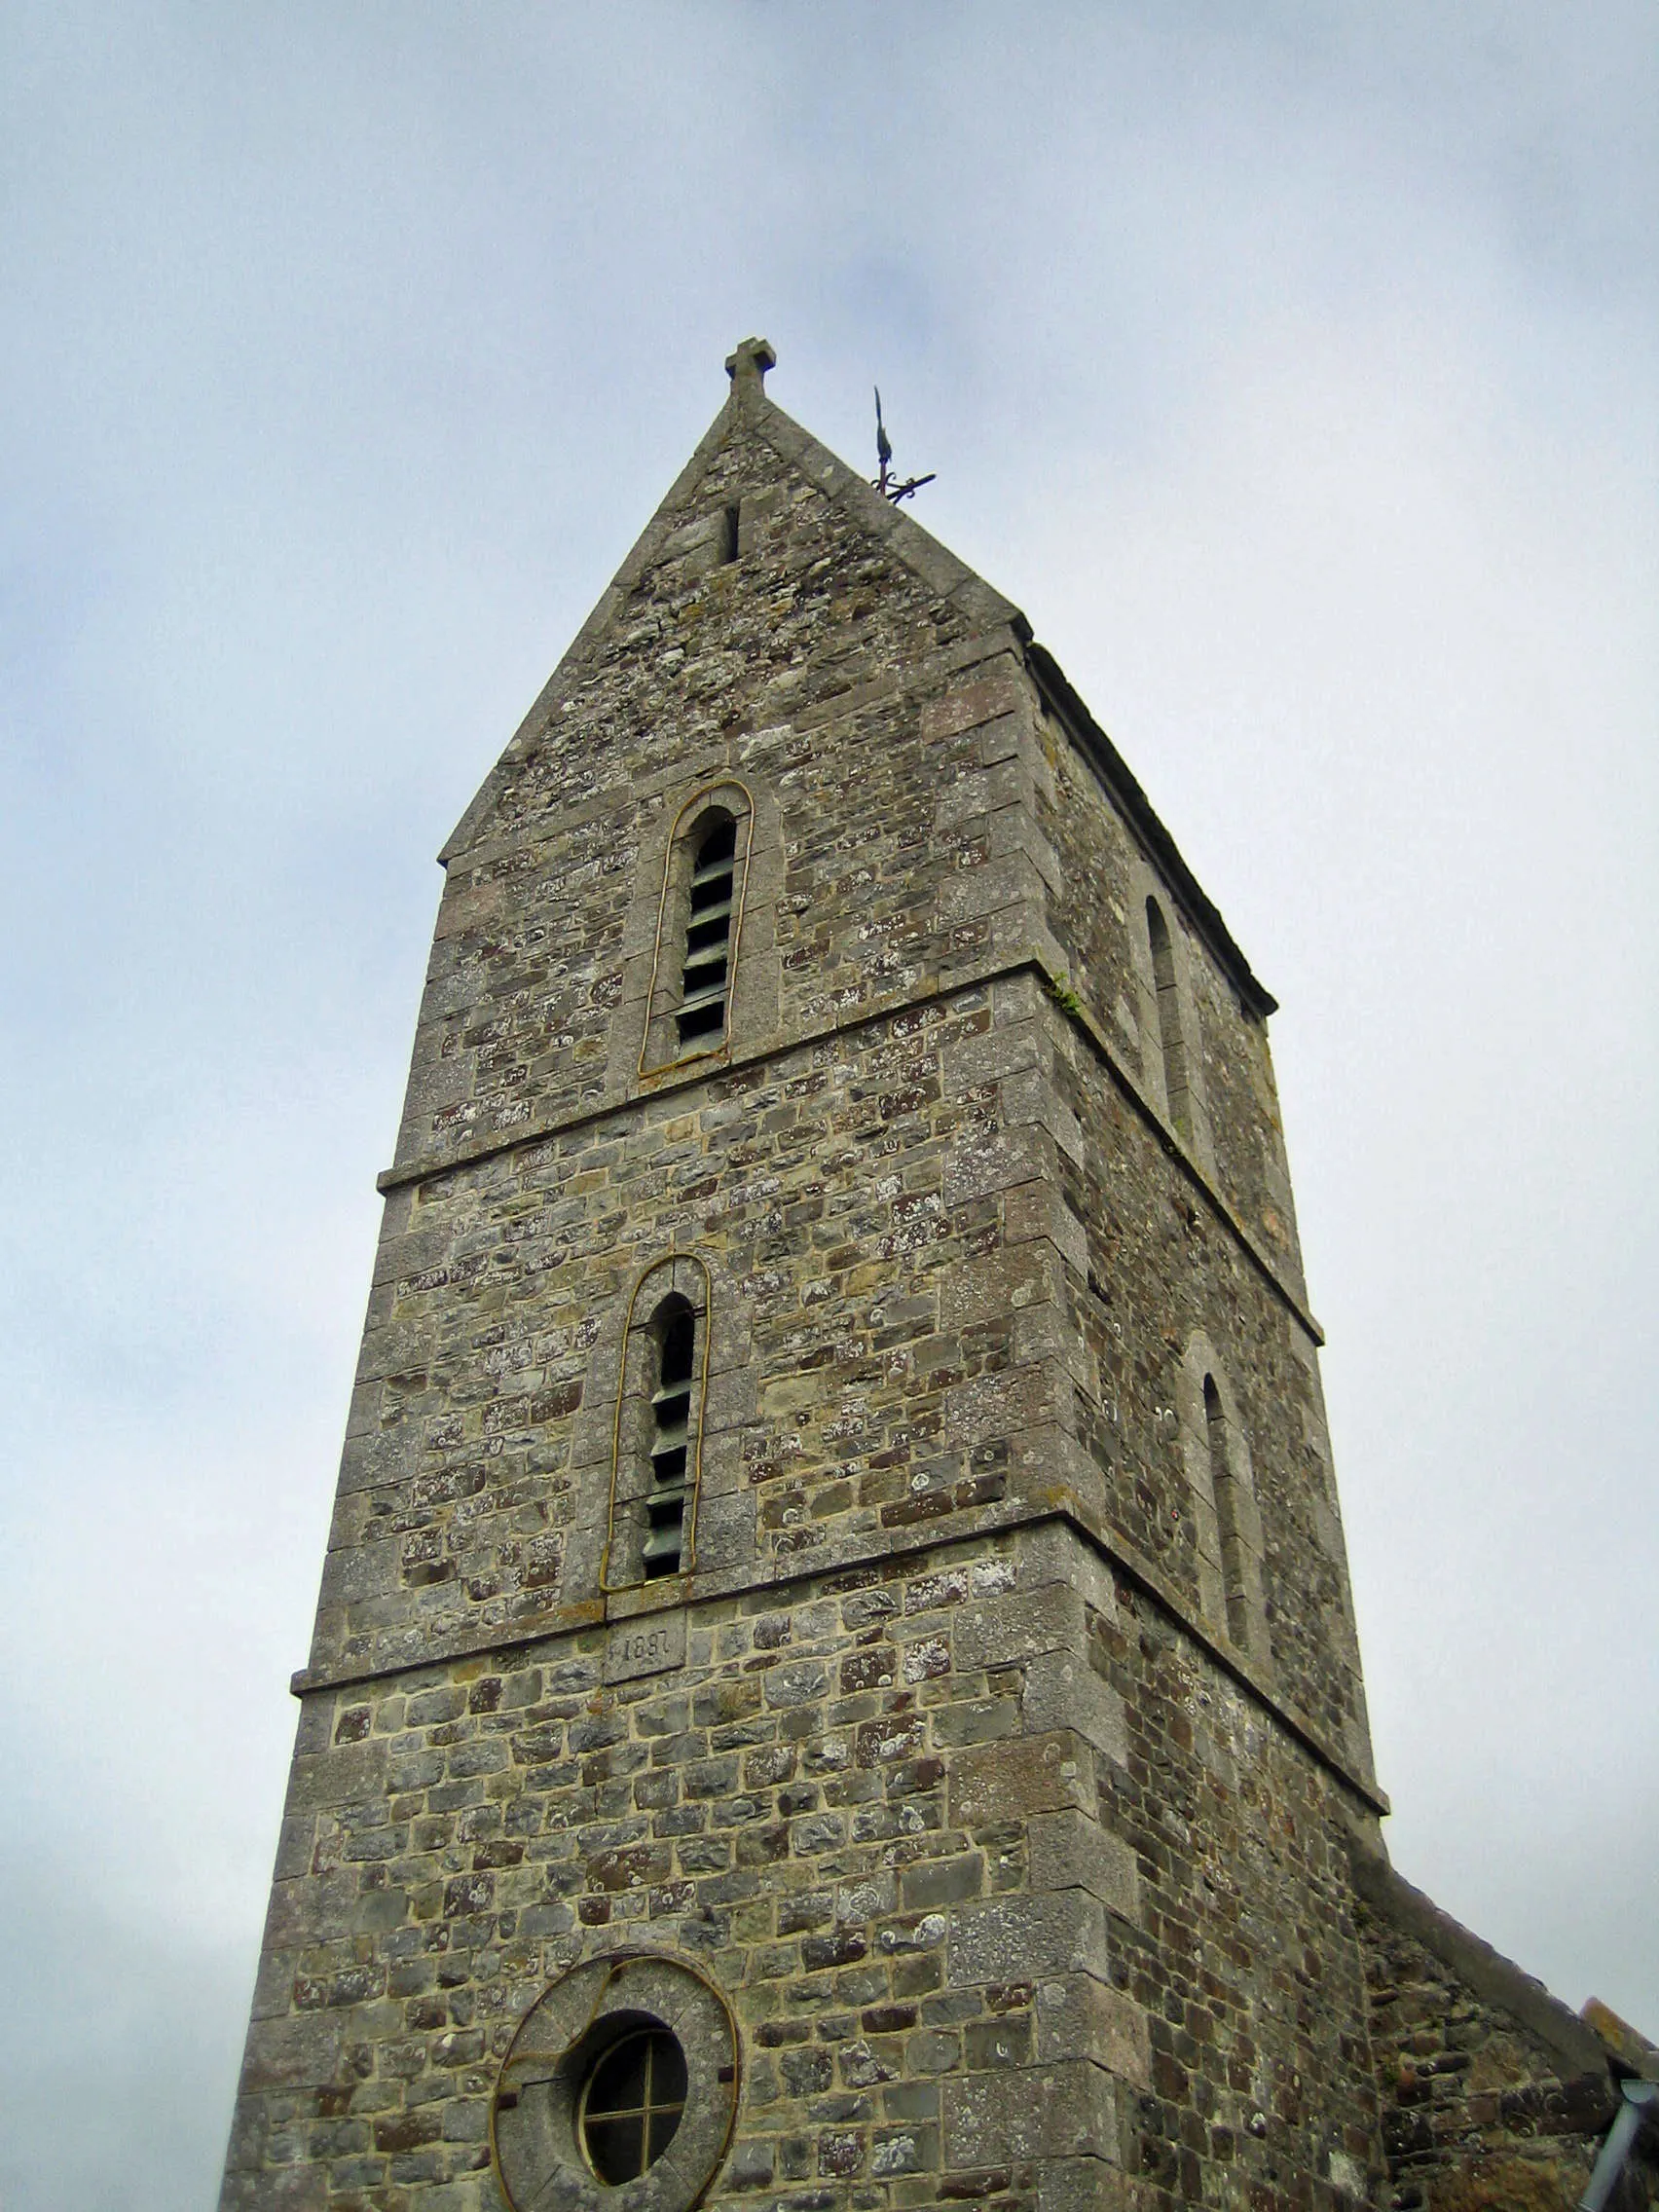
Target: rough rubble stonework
point(1001, 1758)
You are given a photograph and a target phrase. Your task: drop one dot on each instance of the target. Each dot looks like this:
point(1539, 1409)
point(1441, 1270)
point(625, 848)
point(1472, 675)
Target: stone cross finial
point(746, 367)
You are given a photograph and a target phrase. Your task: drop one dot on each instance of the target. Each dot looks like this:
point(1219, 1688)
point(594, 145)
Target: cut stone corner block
point(1089, 2184)
point(1062, 1690)
point(1069, 1849)
point(1064, 2113)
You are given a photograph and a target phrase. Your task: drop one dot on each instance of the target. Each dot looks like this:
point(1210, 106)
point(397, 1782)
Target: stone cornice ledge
point(973, 976)
point(756, 1574)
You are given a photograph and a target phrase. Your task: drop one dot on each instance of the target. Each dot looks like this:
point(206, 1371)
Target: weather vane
point(886, 484)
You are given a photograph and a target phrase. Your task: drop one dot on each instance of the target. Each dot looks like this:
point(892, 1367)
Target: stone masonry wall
point(1245, 1957)
point(1013, 1896)
point(1150, 1265)
point(858, 1205)
point(953, 1274)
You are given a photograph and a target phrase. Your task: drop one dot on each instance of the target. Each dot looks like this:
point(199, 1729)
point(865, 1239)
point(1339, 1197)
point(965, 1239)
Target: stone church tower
point(834, 1685)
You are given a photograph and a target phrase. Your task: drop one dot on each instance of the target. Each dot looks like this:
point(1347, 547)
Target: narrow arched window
point(657, 1449)
point(706, 977)
point(1224, 1486)
point(694, 969)
point(1226, 1566)
point(676, 1332)
point(1168, 1019)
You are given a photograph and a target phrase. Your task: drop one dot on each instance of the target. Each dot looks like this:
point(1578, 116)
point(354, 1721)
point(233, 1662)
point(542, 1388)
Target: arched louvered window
point(694, 970)
point(706, 977)
point(1169, 1035)
point(657, 1447)
point(676, 1331)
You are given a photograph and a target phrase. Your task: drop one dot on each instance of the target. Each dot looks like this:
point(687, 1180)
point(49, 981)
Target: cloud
point(119, 2047)
point(1292, 369)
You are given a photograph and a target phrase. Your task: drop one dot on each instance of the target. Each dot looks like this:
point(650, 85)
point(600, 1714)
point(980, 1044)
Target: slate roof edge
point(1115, 772)
point(1631, 2051)
point(1488, 1972)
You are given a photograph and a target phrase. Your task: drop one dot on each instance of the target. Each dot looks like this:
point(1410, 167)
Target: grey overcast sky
point(1292, 365)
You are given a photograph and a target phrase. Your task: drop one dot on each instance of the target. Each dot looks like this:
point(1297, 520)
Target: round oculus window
point(631, 2104)
point(618, 2092)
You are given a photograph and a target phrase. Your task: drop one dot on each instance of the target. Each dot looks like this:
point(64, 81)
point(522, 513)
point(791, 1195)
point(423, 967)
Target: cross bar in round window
point(631, 2104)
